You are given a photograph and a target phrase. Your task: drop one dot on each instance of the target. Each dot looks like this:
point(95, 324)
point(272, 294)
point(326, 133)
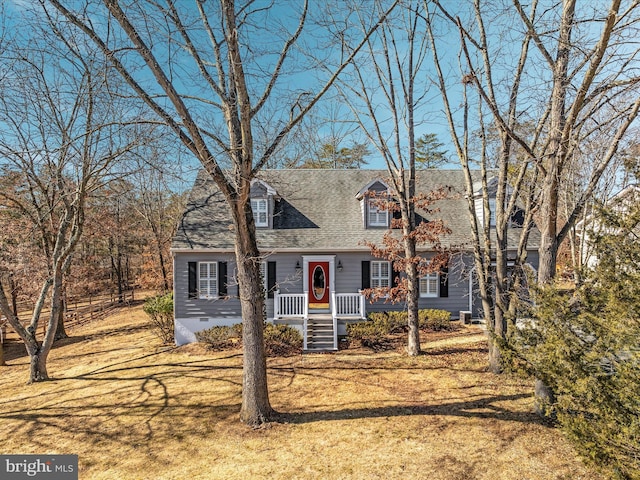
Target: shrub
point(389, 322)
point(397, 321)
point(371, 334)
point(221, 338)
point(433, 319)
point(279, 340)
point(160, 311)
point(376, 332)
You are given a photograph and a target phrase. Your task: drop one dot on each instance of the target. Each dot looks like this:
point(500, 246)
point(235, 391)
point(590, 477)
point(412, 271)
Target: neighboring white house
point(590, 226)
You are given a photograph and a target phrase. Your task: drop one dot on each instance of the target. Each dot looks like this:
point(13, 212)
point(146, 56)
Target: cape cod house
point(311, 225)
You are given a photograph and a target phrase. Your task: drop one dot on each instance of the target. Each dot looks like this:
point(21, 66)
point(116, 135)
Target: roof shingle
point(317, 210)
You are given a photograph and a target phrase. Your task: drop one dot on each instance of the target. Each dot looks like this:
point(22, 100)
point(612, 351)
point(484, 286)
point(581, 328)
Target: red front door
point(318, 284)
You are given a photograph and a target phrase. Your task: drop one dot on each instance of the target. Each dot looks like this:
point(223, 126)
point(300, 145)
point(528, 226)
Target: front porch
point(319, 328)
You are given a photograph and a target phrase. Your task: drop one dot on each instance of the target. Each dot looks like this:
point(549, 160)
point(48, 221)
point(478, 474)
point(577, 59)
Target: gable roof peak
point(270, 190)
point(368, 186)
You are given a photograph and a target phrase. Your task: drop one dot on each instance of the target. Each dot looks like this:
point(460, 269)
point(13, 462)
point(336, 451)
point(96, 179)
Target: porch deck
point(320, 330)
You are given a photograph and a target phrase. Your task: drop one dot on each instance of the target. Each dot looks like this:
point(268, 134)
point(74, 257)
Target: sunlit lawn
point(133, 409)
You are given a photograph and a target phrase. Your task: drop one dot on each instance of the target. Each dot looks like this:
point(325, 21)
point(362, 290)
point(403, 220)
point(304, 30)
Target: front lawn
point(133, 409)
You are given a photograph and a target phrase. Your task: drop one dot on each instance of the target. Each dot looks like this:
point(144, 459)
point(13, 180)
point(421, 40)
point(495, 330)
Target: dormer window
point(263, 198)
point(260, 212)
point(373, 197)
point(377, 217)
point(517, 216)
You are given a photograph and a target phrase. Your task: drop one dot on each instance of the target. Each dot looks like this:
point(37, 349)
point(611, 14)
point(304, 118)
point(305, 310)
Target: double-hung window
point(208, 279)
point(429, 285)
point(259, 207)
point(380, 274)
point(377, 216)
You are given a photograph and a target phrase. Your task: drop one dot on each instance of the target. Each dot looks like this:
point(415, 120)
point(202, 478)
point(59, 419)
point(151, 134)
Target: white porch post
point(276, 304)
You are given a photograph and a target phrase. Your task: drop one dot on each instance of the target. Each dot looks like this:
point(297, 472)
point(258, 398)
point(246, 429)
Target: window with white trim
point(259, 207)
point(429, 285)
point(208, 279)
point(380, 273)
point(377, 217)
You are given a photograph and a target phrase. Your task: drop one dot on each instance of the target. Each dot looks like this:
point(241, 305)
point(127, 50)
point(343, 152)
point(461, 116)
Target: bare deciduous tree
point(385, 92)
point(559, 71)
point(61, 135)
point(216, 73)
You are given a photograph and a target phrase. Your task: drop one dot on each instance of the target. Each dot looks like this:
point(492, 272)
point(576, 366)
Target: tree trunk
point(548, 249)
point(39, 352)
point(38, 367)
point(413, 340)
point(495, 355)
point(547, 258)
point(256, 408)
point(544, 399)
point(163, 270)
point(163, 267)
point(60, 328)
point(61, 332)
point(13, 287)
point(413, 288)
point(2, 361)
point(496, 363)
point(120, 273)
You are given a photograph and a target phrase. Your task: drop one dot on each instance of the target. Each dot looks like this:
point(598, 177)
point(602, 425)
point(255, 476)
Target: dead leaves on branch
point(425, 232)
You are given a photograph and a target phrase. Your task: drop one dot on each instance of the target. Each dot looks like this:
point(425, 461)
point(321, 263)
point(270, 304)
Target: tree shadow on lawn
point(14, 349)
point(454, 350)
point(124, 405)
point(484, 408)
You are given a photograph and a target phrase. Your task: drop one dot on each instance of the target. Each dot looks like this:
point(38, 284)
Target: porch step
point(320, 333)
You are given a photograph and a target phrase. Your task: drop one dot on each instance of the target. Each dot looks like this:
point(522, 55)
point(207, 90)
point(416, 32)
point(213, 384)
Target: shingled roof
point(316, 210)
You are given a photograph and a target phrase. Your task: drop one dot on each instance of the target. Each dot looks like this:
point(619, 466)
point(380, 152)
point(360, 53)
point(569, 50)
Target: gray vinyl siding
point(458, 299)
point(288, 280)
point(185, 307)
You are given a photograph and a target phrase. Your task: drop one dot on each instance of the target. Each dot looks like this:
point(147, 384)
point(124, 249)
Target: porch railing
point(296, 305)
point(290, 305)
point(347, 305)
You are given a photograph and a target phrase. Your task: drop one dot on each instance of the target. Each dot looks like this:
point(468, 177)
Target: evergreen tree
point(429, 153)
point(330, 156)
point(585, 345)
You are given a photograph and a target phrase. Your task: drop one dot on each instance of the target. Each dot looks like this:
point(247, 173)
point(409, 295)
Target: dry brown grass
point(133, 409)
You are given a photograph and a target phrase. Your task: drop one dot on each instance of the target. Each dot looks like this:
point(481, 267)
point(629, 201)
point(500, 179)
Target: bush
point(160, 311)
point(390, 322)
point(279, 340)
point(377, 331)
point(397, 321)
point(433, 319)
point(371, 334)
point(221, 338)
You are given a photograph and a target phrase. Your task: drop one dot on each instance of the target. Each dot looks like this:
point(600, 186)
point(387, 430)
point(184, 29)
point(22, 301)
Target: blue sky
point(430, 119)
